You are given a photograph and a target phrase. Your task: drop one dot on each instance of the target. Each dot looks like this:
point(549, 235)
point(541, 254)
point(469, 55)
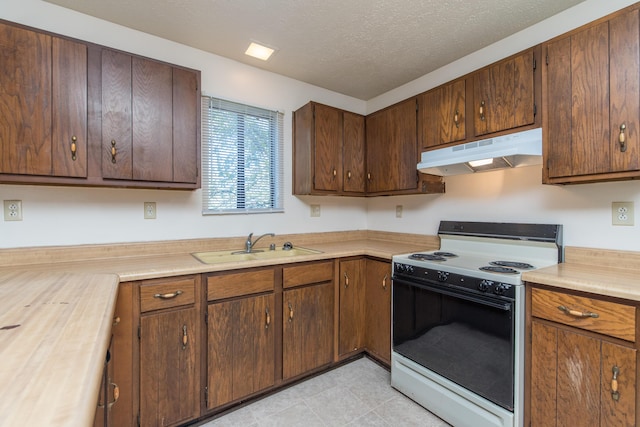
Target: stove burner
point(496, 269)
point(445, 254)
point(512, 264)
point(427, 257)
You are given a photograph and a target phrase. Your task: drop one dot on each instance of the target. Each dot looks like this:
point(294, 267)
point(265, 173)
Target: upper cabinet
point(591, 96)
point(148, 120)
point(441, 113)
point(328, 151)
point(503, 95)
point(74, 113)
point(43, 104)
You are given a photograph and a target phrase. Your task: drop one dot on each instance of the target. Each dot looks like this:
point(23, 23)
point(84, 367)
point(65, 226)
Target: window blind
point(242, 151)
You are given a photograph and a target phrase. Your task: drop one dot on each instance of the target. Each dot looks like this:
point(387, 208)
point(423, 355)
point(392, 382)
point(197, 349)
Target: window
point(242, 168)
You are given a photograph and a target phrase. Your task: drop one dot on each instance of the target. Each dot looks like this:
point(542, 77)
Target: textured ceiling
point(360, 48)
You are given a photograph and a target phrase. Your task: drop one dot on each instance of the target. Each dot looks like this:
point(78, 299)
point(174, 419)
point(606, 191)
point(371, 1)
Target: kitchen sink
point(218, 257)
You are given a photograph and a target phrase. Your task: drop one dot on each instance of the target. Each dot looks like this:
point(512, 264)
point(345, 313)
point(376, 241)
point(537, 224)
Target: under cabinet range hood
point(507, 151)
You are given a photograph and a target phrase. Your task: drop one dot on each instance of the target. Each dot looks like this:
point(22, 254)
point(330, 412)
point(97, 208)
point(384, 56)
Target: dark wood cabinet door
point(25, 101)
point(441, 115)
point(69, 120)
point(392, 148)
point(571, 378)
point(378, 313)
point(352, 306)
point(169, 367)
point(624, 74)
point(152, 114)
point(117, 156)
point(328, 148)
point(504, 95)
point(353, 153)
point(307, 336)
point(241, 355)
point(186, 98)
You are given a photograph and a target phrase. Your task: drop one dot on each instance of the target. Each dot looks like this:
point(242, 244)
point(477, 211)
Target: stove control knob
point(500, 289)
point(443, 276)
point(408, 268)
point(485, 285)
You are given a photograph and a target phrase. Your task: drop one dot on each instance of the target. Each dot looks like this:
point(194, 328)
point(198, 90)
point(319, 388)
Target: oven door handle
point(505, 306)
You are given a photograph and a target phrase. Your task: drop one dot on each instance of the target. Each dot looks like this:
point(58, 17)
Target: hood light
point(482, 162)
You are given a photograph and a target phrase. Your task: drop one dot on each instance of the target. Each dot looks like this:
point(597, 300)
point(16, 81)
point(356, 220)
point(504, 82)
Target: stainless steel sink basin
point(218, 257)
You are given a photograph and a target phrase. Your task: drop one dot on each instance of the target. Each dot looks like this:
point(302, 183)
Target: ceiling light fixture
point(259, 51)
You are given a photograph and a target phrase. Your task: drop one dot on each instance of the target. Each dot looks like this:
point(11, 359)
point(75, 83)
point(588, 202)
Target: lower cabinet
point(170, 350)
point(307, 318)
point(187, 347)
point(352, 306)
point(241, 333)
point(378, 309)
point(583, 361)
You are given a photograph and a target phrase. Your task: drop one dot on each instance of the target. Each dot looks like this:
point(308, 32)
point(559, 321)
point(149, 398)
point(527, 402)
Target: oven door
point(463, 336)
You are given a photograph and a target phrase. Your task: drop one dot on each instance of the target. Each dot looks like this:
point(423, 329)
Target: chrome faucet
point(249, 244)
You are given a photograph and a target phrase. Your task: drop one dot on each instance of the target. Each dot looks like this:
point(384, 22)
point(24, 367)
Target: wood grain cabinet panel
point(241, 348)
point(442, 115)
point(503, 96)
point(307, 328)
point(591, 86)
point(351, 334)
point(576, 376)
point(43, 104)
point(378, 309)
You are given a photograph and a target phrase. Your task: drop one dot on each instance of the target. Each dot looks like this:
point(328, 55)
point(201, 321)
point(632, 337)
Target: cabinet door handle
point(369, 176)
point(384, 282)
point(346, 280)
point(622, 138)
point(482, 111)
point(615, 394)
point(267, 320)
point(456, 118)
point(290, 312)
point(577, 313)
point(116, 321)
point(185, 337)
point(114, 151)
point(169, 295)
point(335, 172)
point(74, 148)
point(348, 174)
point(115, 394)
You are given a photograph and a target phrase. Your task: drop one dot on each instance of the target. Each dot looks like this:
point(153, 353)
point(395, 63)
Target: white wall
point(65, 216)
point(61, 216)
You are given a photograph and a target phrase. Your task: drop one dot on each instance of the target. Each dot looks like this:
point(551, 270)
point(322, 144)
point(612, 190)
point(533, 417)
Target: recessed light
point(259, 51)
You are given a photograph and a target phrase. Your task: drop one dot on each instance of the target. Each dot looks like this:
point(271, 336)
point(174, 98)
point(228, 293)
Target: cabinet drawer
point(613, 319)
point(162, 293)
point(307, 274)
point(238, 284)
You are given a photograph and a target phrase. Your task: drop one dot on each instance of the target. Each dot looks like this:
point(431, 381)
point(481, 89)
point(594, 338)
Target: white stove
point(458, 320)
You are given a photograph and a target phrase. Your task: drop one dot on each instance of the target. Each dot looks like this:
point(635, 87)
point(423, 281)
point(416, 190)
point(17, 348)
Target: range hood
point(508, 151)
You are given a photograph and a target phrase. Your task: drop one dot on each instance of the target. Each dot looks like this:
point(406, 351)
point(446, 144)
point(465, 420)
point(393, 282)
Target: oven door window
point(466, 338)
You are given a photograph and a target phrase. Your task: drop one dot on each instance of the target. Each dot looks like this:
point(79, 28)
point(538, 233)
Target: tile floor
point(356, 394)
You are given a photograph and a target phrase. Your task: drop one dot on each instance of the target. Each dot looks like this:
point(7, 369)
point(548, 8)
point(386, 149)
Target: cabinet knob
point(114, 151)
point(335, 172)
point(74, 148)
point(346, 280)
point(267, 320)
point(116, 394)
point(290, 312)
point(348, 174)
point(185, 337)
point(456, 118)
point(622, 138)
point(384, 282)
point(369, 176)
point(482, 111)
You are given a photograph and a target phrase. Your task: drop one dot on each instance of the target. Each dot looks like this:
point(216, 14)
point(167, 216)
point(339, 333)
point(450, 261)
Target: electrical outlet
point(398, 211)
point(149, 210)
point(13, 210)
point(315, 210)
point(622, 213)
